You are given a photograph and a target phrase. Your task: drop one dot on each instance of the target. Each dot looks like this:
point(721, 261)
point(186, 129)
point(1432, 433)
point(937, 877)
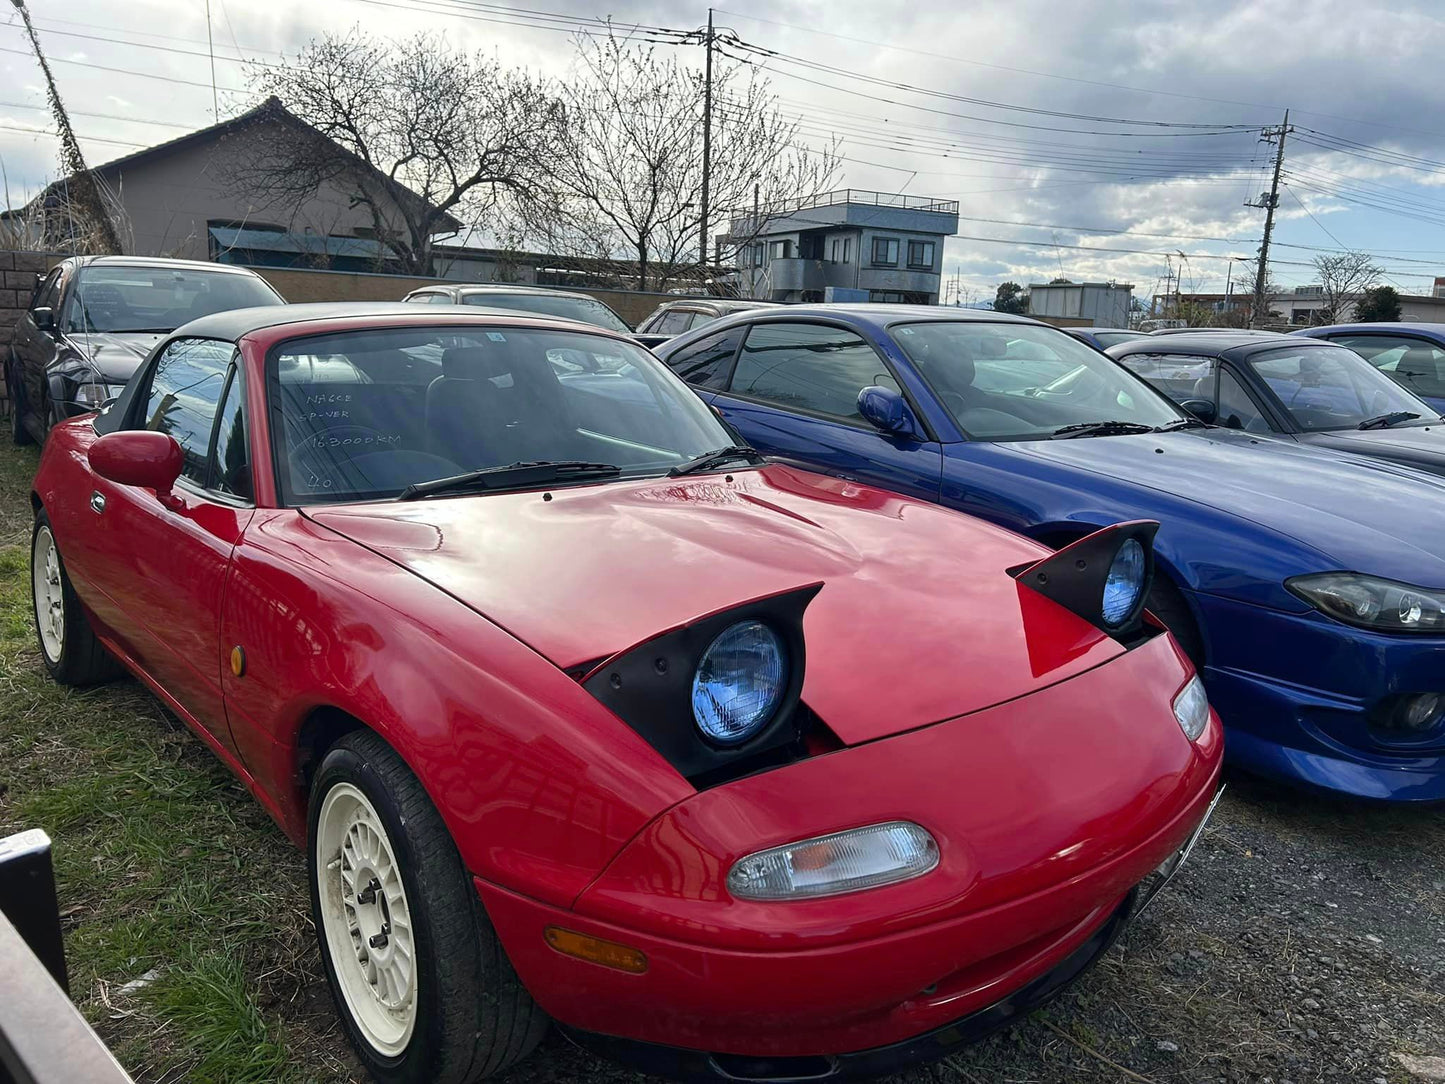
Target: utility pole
point(702, 245)
point(1269, 203)
point(211, 47)
point(84, 189)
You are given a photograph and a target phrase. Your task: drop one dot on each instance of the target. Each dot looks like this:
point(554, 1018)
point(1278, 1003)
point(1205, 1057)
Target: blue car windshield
point(1023, 382)
point(1326, 387)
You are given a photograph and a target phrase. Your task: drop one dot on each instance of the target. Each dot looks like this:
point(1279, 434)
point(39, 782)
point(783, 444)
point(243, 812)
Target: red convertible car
point(583, 712)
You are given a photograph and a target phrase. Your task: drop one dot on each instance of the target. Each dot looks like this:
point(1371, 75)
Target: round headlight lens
point(1124, 582)
point(739, 682)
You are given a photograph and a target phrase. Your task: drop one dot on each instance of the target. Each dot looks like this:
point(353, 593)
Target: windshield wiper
point(511, 476)
point(716, 459)
point(1101, 429)
point(1182, 423)
point(1384, 421)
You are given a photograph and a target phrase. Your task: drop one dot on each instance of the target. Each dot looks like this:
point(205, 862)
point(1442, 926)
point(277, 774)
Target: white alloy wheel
point(366, 920)
point(49, 594)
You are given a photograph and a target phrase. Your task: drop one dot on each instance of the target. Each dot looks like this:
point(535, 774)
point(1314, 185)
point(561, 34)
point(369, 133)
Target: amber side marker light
point(595, 950)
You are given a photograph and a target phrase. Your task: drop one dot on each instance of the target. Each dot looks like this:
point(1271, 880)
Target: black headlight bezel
point(1074, 576)
point(649, 687)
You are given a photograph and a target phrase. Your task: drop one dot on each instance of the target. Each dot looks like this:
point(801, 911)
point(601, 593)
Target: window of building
point(842, 250)
point(920, 254)
point(758, 254)
point(808, 367)
point(781, 250)
point(885, 252)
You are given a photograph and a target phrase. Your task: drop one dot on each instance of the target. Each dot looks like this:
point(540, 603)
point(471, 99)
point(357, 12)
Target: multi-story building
point(848, 245)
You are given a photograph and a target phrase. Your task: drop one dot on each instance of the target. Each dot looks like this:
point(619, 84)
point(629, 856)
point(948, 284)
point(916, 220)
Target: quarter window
point(186, 383)
point(231, 468)
point(809, 367)
point(920, 254)
point(48, 292)
point(1236, 409)
point(706, 362)
point(885, 251)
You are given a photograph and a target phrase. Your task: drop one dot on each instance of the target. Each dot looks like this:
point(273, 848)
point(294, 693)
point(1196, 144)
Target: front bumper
point(1049, 810)
point(1297, 691)
point(677, 1063)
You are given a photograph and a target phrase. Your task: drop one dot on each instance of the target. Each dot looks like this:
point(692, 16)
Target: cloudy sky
point(1097, 139)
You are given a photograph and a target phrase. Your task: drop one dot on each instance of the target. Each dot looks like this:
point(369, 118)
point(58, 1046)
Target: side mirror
point(44, 317)
point(138, 457)
point(1203, 409)
point(885, 409)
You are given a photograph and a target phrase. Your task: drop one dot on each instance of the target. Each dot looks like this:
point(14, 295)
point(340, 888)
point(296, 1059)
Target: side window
point(1416, 364)
point(706, 362)
point(186, 383)
point(420, 299)
point(1179, 377)
point(808, 367)
point(231, 468)
point(1236, 409)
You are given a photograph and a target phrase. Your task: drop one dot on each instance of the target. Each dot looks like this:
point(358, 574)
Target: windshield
point(115, 297)
point(364, 414)
point(1020, 382)
point(585, 309)
point(1327, 387)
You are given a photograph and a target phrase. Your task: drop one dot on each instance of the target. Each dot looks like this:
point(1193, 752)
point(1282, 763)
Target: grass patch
point(164, 863)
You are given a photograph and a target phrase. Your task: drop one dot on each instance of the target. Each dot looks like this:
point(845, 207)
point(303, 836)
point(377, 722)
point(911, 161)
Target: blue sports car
point(1309, 585)
point(1412, 354)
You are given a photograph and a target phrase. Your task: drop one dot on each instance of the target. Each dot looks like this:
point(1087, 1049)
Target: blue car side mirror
point(885, 409)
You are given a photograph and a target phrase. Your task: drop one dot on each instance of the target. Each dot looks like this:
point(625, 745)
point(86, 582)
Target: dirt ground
point(1305, 941)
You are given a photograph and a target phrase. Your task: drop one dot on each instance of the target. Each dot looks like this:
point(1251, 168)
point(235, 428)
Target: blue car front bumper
point(1300, 693)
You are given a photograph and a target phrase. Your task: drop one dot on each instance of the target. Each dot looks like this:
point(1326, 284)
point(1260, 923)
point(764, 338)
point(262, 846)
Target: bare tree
point(1343, 278)
point(632, 175)
point(420, 136)
point(1245, 272)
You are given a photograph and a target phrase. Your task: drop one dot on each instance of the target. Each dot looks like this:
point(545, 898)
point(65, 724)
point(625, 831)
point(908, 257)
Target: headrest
point(466, 363)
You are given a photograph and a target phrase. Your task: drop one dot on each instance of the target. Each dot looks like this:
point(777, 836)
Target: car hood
point(916, 620)
point(1422, 447)
point(1347, 511)
point(116, 354)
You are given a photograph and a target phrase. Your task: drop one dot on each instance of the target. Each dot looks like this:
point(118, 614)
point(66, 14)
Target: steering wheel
point(310, 461)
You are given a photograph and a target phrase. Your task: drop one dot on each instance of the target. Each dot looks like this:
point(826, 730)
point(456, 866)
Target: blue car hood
point(1342, 511)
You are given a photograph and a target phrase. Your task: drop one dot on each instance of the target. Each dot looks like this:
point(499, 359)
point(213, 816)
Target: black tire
point(73, 656)
point(1167, 603)
point(18, 433)
point(473, 1016)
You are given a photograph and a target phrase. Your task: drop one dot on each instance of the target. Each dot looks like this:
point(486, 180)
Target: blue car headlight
point(1124, 583)
point(739, 682)
point(1373, 603)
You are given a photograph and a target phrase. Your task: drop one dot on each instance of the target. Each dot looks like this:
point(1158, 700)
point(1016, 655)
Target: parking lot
point(1305, 941)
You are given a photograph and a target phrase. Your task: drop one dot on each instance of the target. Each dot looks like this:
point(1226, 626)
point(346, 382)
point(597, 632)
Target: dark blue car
point(1412, 354)
point(1309, 585)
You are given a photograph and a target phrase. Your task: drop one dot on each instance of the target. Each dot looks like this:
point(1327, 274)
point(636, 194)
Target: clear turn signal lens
point(880, 854)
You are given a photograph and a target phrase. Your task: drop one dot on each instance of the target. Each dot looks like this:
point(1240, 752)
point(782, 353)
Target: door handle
point(97, 502)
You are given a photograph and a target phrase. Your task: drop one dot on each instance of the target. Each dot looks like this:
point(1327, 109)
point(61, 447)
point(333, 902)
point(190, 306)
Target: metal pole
point(211, 45)
point(702, 245)
point(1261, 275)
